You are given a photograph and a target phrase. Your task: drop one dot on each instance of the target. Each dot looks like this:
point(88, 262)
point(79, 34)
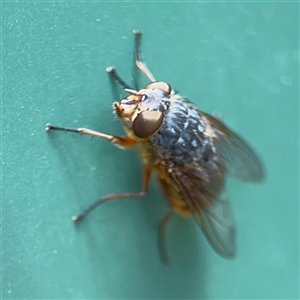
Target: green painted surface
point(237, 59)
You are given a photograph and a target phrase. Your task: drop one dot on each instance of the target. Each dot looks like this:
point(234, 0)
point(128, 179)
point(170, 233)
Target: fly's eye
point(147, 123)
point(160, 85)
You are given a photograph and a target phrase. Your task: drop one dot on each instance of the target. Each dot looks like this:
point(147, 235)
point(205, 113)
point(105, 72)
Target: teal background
point(238, 60)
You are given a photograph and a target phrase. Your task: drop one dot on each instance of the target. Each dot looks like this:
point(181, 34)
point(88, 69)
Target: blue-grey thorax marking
point(181, 138)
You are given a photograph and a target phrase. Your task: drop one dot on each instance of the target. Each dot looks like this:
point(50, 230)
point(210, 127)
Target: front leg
point(123, 142)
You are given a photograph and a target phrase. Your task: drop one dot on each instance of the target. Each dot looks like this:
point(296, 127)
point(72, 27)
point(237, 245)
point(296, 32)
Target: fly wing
point(241, 161)
point(209, 207)
point(217, 224)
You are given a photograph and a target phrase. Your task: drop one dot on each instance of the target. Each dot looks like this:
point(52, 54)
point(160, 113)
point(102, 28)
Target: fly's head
point(143, 112)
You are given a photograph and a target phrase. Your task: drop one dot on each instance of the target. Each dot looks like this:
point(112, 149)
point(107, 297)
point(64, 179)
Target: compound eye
point(147, 123)
point(160, 85)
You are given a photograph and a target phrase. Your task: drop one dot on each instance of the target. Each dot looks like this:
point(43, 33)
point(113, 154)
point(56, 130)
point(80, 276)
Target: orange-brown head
point(143, 111)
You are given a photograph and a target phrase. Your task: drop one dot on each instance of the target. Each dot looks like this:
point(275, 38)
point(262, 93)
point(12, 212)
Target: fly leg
point(139, 63)
point(138, 56)
point(146, 176)
point(161, 237)
point(138, 60)
point(163, 222)
point(113, 72)
point(123, 142)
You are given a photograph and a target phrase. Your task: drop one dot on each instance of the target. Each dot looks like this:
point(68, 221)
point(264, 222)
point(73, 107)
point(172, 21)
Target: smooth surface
point(239, 60)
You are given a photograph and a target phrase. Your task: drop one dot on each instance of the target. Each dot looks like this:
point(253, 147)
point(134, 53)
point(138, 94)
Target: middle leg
point(146, 176)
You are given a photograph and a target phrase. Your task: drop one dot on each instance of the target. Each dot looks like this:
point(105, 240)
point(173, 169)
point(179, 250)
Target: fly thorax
point(181, 136)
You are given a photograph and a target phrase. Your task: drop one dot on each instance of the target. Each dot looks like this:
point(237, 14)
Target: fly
point(189, 151)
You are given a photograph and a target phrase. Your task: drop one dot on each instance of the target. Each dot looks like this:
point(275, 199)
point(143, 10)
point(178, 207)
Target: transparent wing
point(209, 207)
point(217, 223)
point(241, 161)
